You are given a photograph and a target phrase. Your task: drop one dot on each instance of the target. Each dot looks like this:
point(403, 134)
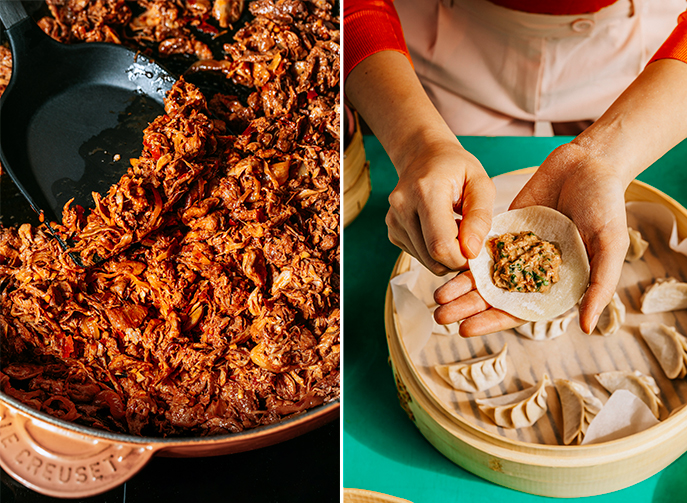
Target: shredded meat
point(163, 24)
point(94, 21)
point(5, 68)
point(524, 262)
point(290, 48)
point(5, 72)
point(179, 149)
point(218, 307)
point(227, 12)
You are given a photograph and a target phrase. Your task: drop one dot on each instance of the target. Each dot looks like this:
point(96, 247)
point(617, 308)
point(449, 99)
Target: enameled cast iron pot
point(63, 459)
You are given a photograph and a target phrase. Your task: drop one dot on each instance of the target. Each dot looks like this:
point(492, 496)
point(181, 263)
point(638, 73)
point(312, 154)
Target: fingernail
point(474, 246)
point(595, 320)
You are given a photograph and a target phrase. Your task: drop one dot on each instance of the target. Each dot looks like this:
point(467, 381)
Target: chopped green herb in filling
point(524, 262)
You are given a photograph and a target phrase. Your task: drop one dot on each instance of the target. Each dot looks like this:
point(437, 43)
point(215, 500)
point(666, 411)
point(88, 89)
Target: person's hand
point(435, 181)
point(586, 180)
point(437, 176)
point(591, 194)
point(458, 300)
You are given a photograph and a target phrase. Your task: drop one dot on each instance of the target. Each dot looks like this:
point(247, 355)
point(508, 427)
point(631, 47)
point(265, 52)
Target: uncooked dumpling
point(612, 317)
point(668, 346)
point(546, 329)
point(478, 374)
point(579, 408)
point(643, 386)
point(554, 227)
point(519, 409)
point(637, 245)
point(663, 296)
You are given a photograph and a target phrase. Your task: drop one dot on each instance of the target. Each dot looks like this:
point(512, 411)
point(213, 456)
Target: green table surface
point(382, 449)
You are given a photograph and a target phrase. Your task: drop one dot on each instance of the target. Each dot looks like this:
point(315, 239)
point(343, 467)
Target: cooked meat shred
point(163, 24)
point(218, 308)
point(5, 72)
point(524, 263)
point(179, 149)
point(227, 12)
point(5, 68)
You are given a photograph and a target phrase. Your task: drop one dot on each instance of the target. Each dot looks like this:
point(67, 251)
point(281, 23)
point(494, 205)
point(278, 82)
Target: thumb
point(607, 254)
point(478, 207)
point(523, 199)
point(539, 190)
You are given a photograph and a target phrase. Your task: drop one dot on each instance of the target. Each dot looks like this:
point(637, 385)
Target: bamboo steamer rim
point(506, 448)
point(351, 495)
point(354, 157)
point(356, 197)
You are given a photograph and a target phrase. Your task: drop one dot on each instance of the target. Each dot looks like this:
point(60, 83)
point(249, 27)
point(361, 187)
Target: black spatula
point(72, 115)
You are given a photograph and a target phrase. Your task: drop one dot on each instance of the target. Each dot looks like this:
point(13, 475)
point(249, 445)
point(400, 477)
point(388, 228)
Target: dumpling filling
point(524, 263)
point(534, 305)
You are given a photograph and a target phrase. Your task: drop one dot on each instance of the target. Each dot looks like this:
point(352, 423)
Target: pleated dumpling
point(668, 346)
point(612, 317)
point(666, 294)
point(579, 408)
point(547, 329)
point(643, 386)
point(478, 374)
point(519, 409)
point(637, 245)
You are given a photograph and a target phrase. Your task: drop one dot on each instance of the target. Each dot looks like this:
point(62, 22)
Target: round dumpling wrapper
point(573, 273)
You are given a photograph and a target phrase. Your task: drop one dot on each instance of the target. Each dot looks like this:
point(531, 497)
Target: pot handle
point(62, 463)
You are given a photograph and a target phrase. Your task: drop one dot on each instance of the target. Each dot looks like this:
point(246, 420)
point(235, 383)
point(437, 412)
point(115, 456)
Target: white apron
point(495, 71)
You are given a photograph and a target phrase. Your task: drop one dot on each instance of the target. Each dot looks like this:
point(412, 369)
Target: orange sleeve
point(675, 47)
point(370, 26)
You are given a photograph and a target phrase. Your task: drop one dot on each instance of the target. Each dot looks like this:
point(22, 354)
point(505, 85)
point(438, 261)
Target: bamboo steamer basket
point(546, 470)
point(356, 197)
point(356, 174)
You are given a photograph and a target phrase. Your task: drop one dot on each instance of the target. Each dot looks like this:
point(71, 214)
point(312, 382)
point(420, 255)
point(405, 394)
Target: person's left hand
point(591, 194)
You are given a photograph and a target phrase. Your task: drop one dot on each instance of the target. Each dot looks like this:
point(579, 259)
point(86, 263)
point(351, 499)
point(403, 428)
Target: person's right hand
point(435, 180)
point(437, 176)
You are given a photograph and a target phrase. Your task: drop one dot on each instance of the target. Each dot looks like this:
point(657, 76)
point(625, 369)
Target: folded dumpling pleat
point(643, 386)
point(637, 245)
point(478, 374)
point(668, 346)
point(666, 294)
point(519, 409)
point(579, 407)
point(612, 317)
point(546, 329)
